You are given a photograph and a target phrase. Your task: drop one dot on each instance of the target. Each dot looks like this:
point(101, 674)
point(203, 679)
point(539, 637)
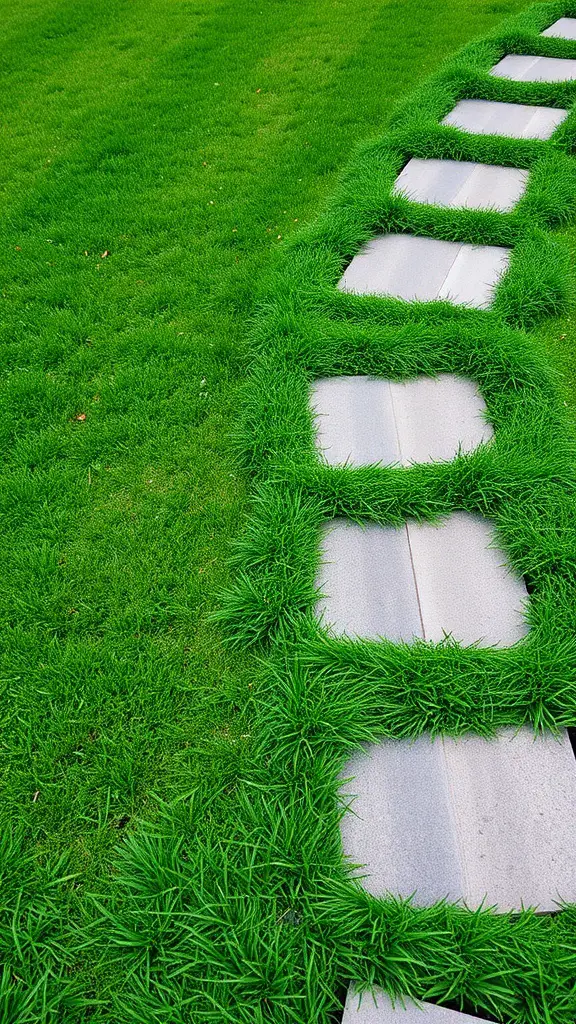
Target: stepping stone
point(461, 183)
point(413, 267)
point(470, 819)
point(564, 28)
point(378, 1008)
point(529, 68)
point(363, 420)
point(421, 580)
point(516, 120)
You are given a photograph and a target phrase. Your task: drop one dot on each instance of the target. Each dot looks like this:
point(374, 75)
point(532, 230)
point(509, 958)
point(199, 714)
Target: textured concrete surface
point(354, 421)
point(367, 578)
point(469, 819)
point(363, 420)
point(516, 120)
point(564, 28)
point(377, 1008)
point(528, 68)
point(413, 267)
point(465, 589)
point(462, 183)
point(420, 580)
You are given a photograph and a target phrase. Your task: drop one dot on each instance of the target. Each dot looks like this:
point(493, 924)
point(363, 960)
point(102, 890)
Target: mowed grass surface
point(152, 154)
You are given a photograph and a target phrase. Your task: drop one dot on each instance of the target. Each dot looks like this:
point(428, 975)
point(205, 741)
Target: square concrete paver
point(378, 1008)
point(469, 819)
point(564, 28)
point(515, 120)
point(421, 580)
point(529, 68)
point(413, 267)
point(460, 183)
point(363, 420)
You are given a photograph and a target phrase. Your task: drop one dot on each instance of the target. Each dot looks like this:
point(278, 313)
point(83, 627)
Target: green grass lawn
point(152, 157)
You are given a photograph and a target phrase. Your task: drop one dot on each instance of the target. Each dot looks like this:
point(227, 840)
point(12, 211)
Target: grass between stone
point(169, 848)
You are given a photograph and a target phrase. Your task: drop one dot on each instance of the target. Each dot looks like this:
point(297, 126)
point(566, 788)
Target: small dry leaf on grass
point(80, 417)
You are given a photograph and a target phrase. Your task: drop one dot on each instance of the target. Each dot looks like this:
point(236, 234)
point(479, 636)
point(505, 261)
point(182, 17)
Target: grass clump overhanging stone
point(328, 695)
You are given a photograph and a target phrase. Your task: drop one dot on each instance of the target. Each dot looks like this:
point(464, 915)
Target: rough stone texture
point(377, 1008)
point(363, 420)
point(470, 819)
point(462, 183)
point(413, 267)
point(564, 28)
point(528, 68)
point(516, 120)
point(421, 580)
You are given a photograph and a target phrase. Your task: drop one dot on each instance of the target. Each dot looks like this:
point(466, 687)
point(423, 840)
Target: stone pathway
point(485, 822)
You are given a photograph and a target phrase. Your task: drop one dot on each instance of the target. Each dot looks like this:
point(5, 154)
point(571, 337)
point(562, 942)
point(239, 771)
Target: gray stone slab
point(481, 821)
point(465, 588)
point(437, 417)
point(413, 267)
point(363, 420)
point(354, 421)
point(420, 580)
point(378, 1008)
point(530, 68)
point(564, 28)
point(515, 120)
point(367, 578)
point(460, 183)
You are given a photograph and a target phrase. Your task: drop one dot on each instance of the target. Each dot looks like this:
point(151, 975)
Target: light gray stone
point(413, 267)
point(378, 1008)
point(421, 580)
point(354, 421)
point(530, 68)
point(363, 420)
point(367, 580)
point(564, 28)
point(465, 589)
point(488, 822)
point(516, 120)
point(460, 183)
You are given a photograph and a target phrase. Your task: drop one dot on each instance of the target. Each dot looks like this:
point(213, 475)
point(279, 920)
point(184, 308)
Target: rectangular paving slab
point(363, 420)
point(530, 68)
point(564, 28)
point(413, 267)
point(461, 183)
point(515, 120)
point(421, 580)
point(367, 582)
point(470, 819)
point(377, 1008)
point(465, 589)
